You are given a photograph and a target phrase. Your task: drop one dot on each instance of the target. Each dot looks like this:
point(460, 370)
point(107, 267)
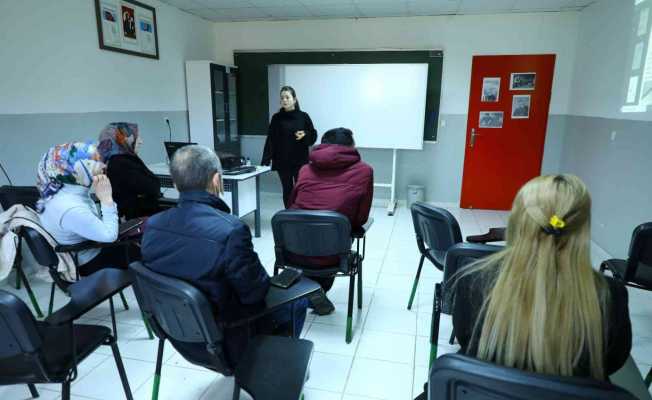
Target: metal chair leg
point(32, 390)
point(21, 274)
point(51, 305)
point(349, 315)
point(434, 324)
point(65, 390)
point(124, 301)
point(236, 390)
point(416, 282)
point(157, 373)
point(360, 286)
point(121, 369)
point(149, 329)
point(115, 328)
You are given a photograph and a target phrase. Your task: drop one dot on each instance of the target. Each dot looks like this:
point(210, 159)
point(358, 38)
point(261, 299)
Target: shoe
point(320, 304)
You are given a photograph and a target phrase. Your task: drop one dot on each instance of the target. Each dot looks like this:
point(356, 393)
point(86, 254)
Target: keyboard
point(240, 170)
point(166, 181)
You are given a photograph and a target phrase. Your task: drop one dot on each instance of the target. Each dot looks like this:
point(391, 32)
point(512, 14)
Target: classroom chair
point(458, 257)
point(636, 271)
point(46, 256)
point(27, 196)
point(456, 376)
point(271, 367)
point(50, 351)
point(436, 231)
point(301, 234)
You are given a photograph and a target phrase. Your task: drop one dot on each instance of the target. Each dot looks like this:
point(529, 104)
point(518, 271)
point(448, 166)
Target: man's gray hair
point(193, 167)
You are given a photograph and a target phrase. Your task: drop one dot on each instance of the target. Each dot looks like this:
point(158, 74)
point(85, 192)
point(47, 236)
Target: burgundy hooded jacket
point(335, 179)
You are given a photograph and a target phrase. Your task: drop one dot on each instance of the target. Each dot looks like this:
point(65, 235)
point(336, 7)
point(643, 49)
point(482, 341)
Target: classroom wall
point(57, 85)
point(608, 148)
point(460, 37)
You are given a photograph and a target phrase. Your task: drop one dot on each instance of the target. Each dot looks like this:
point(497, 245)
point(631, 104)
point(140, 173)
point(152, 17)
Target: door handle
point(473, 136)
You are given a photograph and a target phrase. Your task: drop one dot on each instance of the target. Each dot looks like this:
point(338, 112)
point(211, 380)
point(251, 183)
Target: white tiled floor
point(387, 358)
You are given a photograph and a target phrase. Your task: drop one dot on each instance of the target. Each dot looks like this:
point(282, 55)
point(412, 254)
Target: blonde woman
point(538, 305)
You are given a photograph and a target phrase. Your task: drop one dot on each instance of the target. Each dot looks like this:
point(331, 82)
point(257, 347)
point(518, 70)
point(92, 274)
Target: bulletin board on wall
point(253, 99)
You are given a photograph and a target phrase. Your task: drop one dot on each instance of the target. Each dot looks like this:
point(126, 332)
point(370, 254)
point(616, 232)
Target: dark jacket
point(469, 296)
point(135, 188)
point(336, 179)
point(281, 147)
point(197, 241)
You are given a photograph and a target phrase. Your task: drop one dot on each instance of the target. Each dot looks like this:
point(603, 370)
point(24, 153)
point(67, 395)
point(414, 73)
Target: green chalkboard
point(253, 102)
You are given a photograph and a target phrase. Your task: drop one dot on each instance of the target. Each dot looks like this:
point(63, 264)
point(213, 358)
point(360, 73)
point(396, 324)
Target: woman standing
point(290, 135)
point(136, 189)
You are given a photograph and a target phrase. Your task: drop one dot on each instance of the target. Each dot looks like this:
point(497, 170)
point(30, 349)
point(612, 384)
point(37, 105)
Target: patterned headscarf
point(70, 163)
point(117, 138)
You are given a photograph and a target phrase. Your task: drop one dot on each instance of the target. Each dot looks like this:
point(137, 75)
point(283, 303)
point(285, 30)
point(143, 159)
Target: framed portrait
point(490, 90)
point(491, 119)
point(522, 81)
point(521, 106)
point(127, 26)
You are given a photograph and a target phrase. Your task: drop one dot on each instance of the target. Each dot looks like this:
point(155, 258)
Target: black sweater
point(469, 296)
point(281, 147)
point(135, 188)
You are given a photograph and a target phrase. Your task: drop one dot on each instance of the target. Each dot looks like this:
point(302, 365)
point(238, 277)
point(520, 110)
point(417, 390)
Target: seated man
point(201, 243)
point(336, 179)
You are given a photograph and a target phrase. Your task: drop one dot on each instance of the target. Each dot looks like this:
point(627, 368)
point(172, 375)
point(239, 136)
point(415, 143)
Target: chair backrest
point(18, 331)
point(311, 234)
point(455, 376)
point(178, 311)
point(435, 227)
point(25, 195)
point(41, 249)
point(640, 250)
point(458, 257)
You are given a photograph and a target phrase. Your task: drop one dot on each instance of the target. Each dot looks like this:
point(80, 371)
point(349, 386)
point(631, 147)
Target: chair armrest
point(89, 244)
point(494, 235)
point(362, 231)
point(278, 297)
point(89, 292)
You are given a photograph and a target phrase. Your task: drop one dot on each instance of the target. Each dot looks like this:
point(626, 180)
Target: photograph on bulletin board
point(490, 90)
point(127, 26)
point(521, 106)
point(522, 81)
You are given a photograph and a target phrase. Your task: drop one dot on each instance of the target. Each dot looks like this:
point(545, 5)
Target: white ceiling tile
point(334, 10)
point(286, 12)
point(325, 3)
point(383, 9)
point(276, 3)
point(542, 5)
point(493, 6)
point(223, 4)
point(184, 4)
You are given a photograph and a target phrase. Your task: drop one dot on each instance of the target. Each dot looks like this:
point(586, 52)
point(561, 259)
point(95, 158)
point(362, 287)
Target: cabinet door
point(232, 106)
point(218, 74)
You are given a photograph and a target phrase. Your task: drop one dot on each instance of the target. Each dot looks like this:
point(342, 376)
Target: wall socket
point(166, 120)
point(613, 135)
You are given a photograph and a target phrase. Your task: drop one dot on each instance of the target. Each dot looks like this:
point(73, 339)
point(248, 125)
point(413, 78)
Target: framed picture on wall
point(127, 26)
point(490, 90)
point(491, 119)
point(521, 106)
point(522, 81)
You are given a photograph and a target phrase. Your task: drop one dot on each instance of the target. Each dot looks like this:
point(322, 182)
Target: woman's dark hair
point(342, 136)
point(293, 93)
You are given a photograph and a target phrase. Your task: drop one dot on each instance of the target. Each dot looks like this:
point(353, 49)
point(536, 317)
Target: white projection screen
point(383, 104)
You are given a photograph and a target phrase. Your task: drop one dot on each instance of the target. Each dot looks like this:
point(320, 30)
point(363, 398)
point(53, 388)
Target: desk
point(241, 192)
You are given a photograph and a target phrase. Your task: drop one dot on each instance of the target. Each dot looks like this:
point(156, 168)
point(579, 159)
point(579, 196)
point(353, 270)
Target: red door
point(506, 128)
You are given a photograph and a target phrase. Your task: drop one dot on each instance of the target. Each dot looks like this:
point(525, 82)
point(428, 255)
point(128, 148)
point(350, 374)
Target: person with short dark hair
point(200, 242)
point(290, 135)
point(338, 180)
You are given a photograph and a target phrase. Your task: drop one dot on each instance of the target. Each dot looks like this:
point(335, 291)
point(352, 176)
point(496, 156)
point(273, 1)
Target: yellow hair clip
point(557, 222)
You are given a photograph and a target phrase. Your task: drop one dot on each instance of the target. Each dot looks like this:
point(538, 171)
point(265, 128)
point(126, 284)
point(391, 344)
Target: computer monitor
point(172, 147)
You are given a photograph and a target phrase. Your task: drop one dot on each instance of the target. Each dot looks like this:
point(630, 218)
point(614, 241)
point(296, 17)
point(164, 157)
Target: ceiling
point(272, 10)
